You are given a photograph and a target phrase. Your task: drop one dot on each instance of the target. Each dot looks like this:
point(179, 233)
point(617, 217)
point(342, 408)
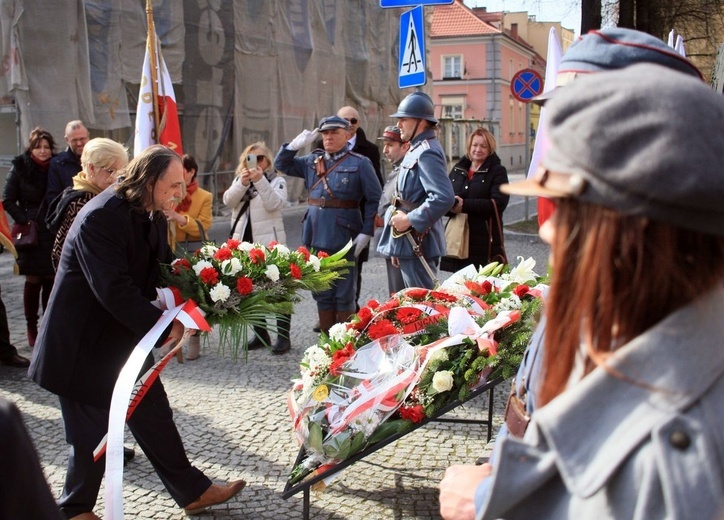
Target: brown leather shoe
point(216, 494)
point(16, 361)
point(86, 516)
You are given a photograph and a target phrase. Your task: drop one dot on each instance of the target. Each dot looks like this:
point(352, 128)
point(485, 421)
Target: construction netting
point(243, 71)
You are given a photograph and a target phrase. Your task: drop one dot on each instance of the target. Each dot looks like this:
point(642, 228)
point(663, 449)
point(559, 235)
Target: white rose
point(439, 355)
point(220, 292)
point(314, 262)
point(201, 265)
point(272, 272)
point(231, 266)
point(282, 250)
point(442, 381)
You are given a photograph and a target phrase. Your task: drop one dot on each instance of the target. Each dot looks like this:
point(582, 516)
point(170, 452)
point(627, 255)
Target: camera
point(251, 161)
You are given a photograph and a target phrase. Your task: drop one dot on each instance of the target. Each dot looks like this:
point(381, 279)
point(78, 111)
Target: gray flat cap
point(644, 140)
point(615, 48)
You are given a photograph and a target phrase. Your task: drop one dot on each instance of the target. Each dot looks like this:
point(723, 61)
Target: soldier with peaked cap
point(336, 180)
point(423, 194)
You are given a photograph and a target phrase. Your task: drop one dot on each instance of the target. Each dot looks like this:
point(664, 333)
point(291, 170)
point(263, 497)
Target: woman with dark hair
point(192, 214)
point(476, 180)
point(628, 419)
point(23, 199)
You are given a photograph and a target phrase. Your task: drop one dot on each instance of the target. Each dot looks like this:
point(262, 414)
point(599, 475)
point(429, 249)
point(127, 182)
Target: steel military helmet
point(417, 105)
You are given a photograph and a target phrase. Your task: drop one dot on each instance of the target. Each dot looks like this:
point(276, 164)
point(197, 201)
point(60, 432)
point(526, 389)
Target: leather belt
point(333, 203)
point(404, 204)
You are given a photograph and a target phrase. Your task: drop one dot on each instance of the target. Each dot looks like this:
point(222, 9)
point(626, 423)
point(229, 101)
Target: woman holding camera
point(257, 197)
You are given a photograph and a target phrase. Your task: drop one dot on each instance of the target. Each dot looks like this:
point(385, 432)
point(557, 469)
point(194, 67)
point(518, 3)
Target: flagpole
point(151, 43)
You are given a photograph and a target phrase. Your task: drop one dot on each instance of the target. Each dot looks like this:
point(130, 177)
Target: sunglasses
point(352, 120)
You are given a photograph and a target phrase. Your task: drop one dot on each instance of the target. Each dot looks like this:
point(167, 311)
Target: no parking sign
point(526, 84)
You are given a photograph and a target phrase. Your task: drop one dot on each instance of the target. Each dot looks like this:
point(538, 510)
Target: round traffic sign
point(526, 84)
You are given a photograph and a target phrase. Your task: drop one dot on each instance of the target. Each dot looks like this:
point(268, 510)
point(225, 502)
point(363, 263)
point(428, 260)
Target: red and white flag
point(169, 130)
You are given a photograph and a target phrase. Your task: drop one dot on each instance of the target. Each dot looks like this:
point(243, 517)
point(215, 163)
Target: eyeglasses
point(352, 120)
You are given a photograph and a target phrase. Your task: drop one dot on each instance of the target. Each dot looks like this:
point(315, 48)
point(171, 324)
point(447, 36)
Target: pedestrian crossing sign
point(412, 49)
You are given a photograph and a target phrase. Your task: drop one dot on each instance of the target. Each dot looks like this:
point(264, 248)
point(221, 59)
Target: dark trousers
point(153, 427)
point(7, 349)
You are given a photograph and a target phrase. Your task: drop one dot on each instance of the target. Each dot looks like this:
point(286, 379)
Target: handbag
point(25, 236)
point(457, 236)
point(497, 224)
point(192, 245)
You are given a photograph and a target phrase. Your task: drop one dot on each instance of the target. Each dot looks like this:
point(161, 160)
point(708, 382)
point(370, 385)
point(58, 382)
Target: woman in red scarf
point(184, 223)
point(23, 200)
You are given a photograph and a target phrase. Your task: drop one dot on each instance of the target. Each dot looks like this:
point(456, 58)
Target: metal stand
point(305, 485)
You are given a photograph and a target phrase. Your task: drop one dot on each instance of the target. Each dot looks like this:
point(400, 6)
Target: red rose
point(232, 243)
point(407, 315)
point(521, 290)
point(209, 276)
point(223, 253)
point(257, 256)
point(322, 254)
point(412, 413)
point(244, 285)
point(487, 286)
point(304, 252)
point(381, 328)
point(295, 271)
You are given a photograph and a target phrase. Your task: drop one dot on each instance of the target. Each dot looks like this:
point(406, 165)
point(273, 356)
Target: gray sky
point(568, 12)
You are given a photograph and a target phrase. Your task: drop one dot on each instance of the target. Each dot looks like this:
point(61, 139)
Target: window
point(452, 67)
point(452, 107)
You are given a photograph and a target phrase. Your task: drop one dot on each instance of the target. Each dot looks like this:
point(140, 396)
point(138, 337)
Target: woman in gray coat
point(628, 421)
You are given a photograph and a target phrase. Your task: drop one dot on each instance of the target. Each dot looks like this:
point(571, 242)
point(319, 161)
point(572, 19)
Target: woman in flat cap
point(629, 422)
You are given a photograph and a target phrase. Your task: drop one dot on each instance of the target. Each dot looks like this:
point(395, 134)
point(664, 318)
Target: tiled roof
point(458, 20)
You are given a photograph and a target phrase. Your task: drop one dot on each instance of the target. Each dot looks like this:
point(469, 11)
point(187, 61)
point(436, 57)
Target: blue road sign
point(526, 84)
point(412, 49)
point(387, 4)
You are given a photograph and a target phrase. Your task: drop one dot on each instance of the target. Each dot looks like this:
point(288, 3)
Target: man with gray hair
point(64, 166)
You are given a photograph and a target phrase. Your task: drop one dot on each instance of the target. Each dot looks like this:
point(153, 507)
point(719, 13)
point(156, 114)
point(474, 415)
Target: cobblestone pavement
point(234, 421)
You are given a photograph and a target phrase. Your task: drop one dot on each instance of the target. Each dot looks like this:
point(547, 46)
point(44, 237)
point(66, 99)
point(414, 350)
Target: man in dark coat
point(65, 165)
point(359, 144)
point(99, 310)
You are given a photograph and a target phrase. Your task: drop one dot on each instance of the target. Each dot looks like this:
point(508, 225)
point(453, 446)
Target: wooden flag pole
point(152, 47)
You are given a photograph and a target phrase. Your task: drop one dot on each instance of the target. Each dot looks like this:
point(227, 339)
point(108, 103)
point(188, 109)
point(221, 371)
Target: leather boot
point(326, 320)
point(31, 304)
point(283, 343)
point(344, 316)
point(194, 347)
point(216, 494)
point(261, 340)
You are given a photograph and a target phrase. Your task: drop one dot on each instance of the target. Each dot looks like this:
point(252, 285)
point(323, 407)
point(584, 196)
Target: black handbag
point(25, 236)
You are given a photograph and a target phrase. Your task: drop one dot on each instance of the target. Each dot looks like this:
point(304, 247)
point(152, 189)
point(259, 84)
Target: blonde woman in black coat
point(476, 180)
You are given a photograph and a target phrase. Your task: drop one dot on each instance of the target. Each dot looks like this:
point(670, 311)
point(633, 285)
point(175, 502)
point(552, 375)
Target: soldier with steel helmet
point(413, 235)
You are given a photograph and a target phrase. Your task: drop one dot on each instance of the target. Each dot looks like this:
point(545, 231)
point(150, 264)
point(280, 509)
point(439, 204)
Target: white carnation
point(339, 332)
point(272, 272)
point(245, 246)
point(442, 381)
point(208, 251)
point(201, 265)
point(220, 292)
point(231, 266)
